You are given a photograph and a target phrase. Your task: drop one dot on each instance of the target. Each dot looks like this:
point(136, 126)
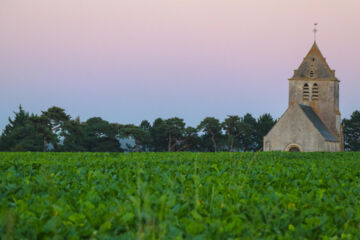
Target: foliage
point(56, 131)
point(248, 134)
point(351, 129)
point(263, 125)
point(191, 140)
point(158, 133)
point(73, 136)
point(139, 134)
point(211, 127)
point(100, 136)
point(174, 130)
point(179, 195)
point(55, 119)
point(25, 133)
point(232, 127)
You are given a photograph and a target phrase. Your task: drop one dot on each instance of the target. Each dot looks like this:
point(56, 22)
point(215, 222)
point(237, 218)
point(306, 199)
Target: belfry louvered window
point(306, 92)
point(311, 74)
point(315, 92)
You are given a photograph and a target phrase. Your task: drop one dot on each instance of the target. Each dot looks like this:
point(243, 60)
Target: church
point(312, 121)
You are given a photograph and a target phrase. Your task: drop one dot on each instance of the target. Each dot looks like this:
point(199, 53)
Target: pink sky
point(129, 60)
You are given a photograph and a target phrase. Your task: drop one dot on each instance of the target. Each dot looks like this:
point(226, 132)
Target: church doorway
point(293, 148)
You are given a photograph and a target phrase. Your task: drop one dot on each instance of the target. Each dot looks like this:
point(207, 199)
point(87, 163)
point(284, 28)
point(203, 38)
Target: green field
point(180, 196)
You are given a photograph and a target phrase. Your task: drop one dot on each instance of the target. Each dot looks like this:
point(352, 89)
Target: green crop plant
point(266, 195)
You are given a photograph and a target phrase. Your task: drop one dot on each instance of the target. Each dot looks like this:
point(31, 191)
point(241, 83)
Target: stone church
point(312, 121)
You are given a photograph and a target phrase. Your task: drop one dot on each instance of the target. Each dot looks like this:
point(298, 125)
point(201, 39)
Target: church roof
point(319, 125)
point(314, 66)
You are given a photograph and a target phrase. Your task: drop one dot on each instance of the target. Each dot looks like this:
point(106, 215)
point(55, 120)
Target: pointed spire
point(315, 51)
point(314, 66)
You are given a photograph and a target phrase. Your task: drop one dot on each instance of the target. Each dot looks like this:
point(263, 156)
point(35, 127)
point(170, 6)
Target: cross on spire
point(315, 31)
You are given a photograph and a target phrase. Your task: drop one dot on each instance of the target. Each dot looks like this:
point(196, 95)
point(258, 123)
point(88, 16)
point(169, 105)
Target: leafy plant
point(266, 195)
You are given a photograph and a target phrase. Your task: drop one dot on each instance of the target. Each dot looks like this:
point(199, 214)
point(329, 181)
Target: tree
point(56, 118)
point(174, 130)
point(191, 140)
point(211, 128)
point(248, 133)
point(264, 124)
point(73, 134)
point(139, 134)
point(100, 136)
point(145, 124)
point(232, 127)
point(23, 133)
point(158, 133)
point(351, 129)
point(146, 142)
point(43, 129)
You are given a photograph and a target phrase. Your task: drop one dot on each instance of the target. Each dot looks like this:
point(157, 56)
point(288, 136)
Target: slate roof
point(319, 125)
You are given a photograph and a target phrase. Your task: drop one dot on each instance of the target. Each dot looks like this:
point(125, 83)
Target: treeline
point(54, 130)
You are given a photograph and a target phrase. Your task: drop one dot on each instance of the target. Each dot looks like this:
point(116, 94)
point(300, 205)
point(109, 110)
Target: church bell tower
point(312, 121)
point(315, 84)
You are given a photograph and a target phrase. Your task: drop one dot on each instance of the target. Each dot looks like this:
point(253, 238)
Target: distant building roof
point(319, 125)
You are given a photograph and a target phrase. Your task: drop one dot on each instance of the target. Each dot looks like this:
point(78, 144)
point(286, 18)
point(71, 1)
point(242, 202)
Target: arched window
point(311, 74)
point(306, 92)
point(315, 92)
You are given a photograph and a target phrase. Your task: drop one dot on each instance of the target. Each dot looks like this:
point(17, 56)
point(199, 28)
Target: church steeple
point(314, 66)
point(313, 120)
point(314, 84)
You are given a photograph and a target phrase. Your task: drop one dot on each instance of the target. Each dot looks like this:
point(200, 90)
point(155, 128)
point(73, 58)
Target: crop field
point(180, 196)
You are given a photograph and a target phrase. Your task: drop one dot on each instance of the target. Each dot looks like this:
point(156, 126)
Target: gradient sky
point(129, 60)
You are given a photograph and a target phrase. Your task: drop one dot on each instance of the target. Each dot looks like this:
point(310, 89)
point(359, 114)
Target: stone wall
point(295, 128)
point(327, 105)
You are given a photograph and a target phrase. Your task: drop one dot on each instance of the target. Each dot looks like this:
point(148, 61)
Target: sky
point(130, 60)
